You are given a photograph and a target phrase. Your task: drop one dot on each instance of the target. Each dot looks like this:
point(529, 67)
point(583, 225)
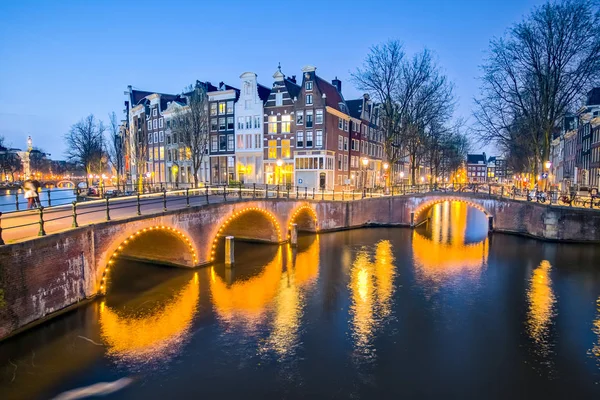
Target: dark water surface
point(444, 311)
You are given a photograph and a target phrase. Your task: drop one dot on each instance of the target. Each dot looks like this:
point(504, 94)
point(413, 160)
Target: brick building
point(476, 168)
point(222, 133)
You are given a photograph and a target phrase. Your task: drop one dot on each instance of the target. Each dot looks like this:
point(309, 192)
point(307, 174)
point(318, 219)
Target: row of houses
point(575, 148)
point(483, 169)
point(299, 132)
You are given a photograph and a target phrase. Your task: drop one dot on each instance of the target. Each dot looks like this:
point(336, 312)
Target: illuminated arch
point(132, 237)
point(237, 214)
point(427, 205)
point(155, 335)
point(296, 213)
point(65, 184)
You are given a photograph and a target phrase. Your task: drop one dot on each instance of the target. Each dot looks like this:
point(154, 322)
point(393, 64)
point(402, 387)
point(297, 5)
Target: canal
point(443, 311)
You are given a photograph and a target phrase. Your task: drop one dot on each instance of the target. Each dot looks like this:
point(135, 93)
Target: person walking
point(30, 195)
point(36, 186)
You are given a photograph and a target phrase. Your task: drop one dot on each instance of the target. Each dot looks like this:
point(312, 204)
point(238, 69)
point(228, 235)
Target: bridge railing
point(54, 217)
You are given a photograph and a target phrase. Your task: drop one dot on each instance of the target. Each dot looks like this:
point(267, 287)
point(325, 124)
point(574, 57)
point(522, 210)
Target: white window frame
point(309, 99)
point(308, 85)
point(160, 123)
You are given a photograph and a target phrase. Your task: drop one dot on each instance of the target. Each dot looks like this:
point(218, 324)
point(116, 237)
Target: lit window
point(285, 148)
point(222, 107)
point(272, 153)
point(272, 124)
point(319, 117)
point(299, 139)
point(309, 99)
point(285, 123)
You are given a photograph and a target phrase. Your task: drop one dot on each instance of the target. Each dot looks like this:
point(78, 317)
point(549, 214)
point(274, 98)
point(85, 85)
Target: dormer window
point(308, 85)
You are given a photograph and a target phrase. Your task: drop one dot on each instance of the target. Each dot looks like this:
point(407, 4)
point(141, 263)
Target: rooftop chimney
point(337, 83)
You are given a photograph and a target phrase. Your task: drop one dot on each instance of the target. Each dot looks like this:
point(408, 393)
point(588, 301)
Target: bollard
point(296, 191)
point(164, 199)
point(225, 192)
point(139, 211)
point(187, 197)
point(229, 258)
point(240, 191)
point(17, 199)
point(49, 202)
point(313, 193)
point(412, 219)
point(294, 235)
point(490, 224)
point(1, 240)
point(74, 224)
point(42, 232)
point(107, 210)
point(254, 190)
point(305, 192)
point(206, 194)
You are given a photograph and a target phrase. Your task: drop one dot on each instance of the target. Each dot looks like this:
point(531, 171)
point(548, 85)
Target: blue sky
point(62, 60)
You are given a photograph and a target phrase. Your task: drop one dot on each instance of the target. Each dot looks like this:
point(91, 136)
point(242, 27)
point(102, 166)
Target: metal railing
point(63, 216)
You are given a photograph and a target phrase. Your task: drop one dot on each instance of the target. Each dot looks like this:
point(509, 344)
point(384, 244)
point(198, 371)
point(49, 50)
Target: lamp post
point(365, 163)
point(547, 166)
point(279, 165)
point(385, 174)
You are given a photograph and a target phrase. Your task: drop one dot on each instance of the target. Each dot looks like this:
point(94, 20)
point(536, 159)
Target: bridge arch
point(306, 219)
point(65, 184)
point(422, 209)
point(248, 223)
point(182, 249)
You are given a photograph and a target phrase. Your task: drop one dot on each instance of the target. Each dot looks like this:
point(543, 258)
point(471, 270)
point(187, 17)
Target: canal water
point(9, 198)
point(444, 311)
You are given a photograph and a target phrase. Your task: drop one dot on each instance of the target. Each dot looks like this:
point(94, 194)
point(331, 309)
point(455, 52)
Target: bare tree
point(85, 144)
point(115, 147)
point(537, 72)
point(191, 126)
point(10, 162)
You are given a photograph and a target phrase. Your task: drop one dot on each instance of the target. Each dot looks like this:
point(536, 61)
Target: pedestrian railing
point(57, 216)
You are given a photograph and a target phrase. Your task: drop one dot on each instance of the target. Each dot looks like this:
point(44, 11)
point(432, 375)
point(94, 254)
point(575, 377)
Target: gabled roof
point(355, 107)
point(263, 92)
point(292, 88)
point(475, 158)
point(333, 98)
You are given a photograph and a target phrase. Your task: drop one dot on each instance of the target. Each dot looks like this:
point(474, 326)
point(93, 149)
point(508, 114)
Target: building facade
point(222, 134)
point(476, 168)
point(249, 114)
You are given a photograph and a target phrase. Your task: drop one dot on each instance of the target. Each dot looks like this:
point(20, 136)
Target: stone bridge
point(42, 276)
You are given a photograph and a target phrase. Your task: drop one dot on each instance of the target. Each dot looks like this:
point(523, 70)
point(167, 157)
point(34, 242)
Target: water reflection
point(541, 299)
point(596, 330)
point(442, 251)
point(372, 287)
point(156, 334)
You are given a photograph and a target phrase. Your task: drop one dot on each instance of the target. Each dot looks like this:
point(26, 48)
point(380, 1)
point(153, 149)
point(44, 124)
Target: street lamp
point(365, 163)
point(279, 164)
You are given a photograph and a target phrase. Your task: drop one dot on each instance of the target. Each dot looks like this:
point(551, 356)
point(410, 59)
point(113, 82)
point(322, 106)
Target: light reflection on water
point(541, 305)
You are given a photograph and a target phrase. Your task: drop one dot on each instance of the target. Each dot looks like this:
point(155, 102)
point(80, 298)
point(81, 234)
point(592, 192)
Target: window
point(154, 124)
point(248, 122)
point(230, 107)
point(168, 139)
point(240, 141)
point(340, 142)
point(222, 107)
point(149, 138)
point(248, 140)
point(174, 138)
point(285, 148)
point(256, 121)
point(309, 119)
point(161, 136)
point(299, 139)
point(345, 163)
point(160, 123)
point(345, 143)
point(213, 124)
point(272, 124)
point(154, 112)
point(340, 160)
point(169, 156)
point(278, 99)
point(272, 152)
point(214, 146)
point(300, 118)
point(155, 137)
point(309, 139)
point(156, 153)
point(240, 123)
point(213, 109)
point(222, 142)
point(222, 125)
point(308, 85)
point(230, 125)
point(285, 123)
point(149, 124)
point(319, 117)
point(257, 142)
point(346, 125)
point(319, 142)
point(161, 153)
point(168, 124)
point(309, 99)
point(340, 123)
point(230, 142)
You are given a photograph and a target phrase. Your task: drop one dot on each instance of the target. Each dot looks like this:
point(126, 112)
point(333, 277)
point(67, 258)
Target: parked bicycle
point(569, 200)
point(537, 195)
